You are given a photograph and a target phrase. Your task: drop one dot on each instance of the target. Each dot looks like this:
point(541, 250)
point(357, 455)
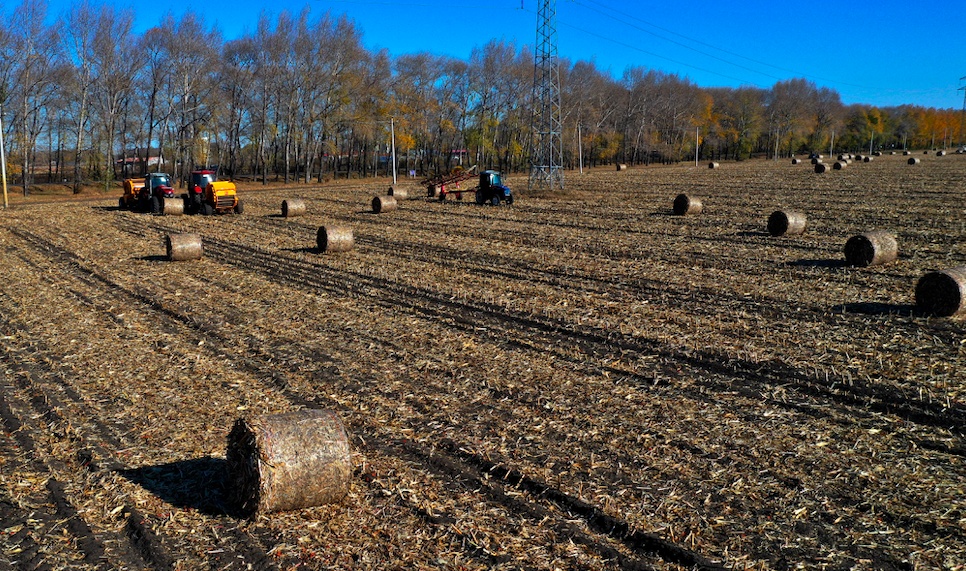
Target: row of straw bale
point(941, 293)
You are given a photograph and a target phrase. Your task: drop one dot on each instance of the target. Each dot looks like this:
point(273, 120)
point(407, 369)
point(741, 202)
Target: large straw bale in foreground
point(288, 461)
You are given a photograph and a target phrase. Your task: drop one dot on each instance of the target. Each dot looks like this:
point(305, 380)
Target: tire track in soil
point(267, 372)
point(288, 271)
point(241, 553)
point(573, 279)
point(858, 395)
point(31, 555)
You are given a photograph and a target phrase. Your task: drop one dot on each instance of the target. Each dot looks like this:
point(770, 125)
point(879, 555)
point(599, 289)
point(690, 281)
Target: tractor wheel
point(120, 203)
point(495, 201)
point(479, 197)
point(238, 207)
point(509, 200)
point(207, 209)
point(155, 205)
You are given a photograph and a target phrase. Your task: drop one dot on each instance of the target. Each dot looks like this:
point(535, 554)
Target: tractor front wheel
point(495, 201)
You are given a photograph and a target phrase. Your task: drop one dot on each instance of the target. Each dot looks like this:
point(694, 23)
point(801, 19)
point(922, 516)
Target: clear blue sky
point(882, 53)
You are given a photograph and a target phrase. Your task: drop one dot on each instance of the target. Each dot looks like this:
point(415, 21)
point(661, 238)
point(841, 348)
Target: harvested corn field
point(578, 382)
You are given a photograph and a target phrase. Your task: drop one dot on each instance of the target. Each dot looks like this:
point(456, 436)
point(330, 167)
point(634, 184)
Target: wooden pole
point(392, 130)
point(3, 160)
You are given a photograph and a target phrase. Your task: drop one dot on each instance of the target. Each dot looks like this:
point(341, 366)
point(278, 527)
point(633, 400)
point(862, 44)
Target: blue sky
point(883, 53)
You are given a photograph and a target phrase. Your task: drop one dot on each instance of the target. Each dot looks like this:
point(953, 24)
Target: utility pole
point(546, 150)
point(962, 116)
point(3, 159)
point(392, 132)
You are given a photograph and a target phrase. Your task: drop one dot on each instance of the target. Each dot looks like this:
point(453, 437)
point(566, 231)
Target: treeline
point(301, 99)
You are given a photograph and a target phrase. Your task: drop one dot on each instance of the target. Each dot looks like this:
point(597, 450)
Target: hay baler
point(207, 195)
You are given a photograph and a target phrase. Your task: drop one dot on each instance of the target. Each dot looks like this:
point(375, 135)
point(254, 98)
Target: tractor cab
point(492, 189)
point(158, 184)
point(200, 179)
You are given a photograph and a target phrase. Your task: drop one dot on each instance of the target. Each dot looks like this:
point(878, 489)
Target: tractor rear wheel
point(155, 205)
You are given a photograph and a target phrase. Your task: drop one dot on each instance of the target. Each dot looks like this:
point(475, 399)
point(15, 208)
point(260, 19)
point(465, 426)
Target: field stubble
point(576, 382)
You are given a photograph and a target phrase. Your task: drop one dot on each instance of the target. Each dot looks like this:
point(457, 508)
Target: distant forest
point(300, 99)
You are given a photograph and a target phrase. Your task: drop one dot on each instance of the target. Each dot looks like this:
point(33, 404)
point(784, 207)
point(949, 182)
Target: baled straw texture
point(913, 161)
point(942, 293)
point(293, 207)
point(181, 247)
point(288, 461)
point(172, 206)
point(685, 205)
point(398, 192)
point(839, 165)
point(784, 222)
point(821, 167)
point(871, 249)
point(713, 165)
point(382, 204)
point(335, 239)
point(621, 167)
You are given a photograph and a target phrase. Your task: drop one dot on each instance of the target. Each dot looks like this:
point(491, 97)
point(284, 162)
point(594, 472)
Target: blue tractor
point(492, 190)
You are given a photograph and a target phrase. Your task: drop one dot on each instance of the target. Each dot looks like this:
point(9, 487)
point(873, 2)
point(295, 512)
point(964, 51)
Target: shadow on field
point(201, 484)
point(748, 234)
point(818, 263)
point(876, 308)
point(153, 258)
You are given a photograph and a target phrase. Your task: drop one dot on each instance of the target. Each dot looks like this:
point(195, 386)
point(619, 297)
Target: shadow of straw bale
point(153, 258)
point(876, 308)
point(818, 263)
point(201, 484)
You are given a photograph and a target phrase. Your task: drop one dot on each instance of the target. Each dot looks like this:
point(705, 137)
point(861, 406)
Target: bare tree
point(34, 84)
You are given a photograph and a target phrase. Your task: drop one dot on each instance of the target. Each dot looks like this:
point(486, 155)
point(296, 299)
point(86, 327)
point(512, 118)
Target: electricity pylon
point(546, 150)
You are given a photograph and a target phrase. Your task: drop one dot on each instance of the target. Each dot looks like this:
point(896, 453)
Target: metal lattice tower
point(546, 150)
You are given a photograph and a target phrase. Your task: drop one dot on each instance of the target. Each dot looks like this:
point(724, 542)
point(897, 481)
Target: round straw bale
point(180, 247)
point(907, 152)
point(913, 161)
point(942, 293)
point(621, 167)
point(398, 192)
point(288, 461)
point(796, 161)
point(839, 165)
point(432, 191)
point(940, 153)
point(172, 206)
point(293, 207)
point(867, 159)
point(821, 167)
point(384, 204)
point(685, 205)
point(335, 239)
point(871, 249)
point(816, 161)
point(785, 222)
point(713, 165)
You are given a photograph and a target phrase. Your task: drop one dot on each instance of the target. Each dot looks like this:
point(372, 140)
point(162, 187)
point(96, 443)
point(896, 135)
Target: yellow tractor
point(206, 195)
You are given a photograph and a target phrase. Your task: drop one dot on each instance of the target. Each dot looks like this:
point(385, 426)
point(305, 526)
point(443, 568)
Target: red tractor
point(152, 195)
